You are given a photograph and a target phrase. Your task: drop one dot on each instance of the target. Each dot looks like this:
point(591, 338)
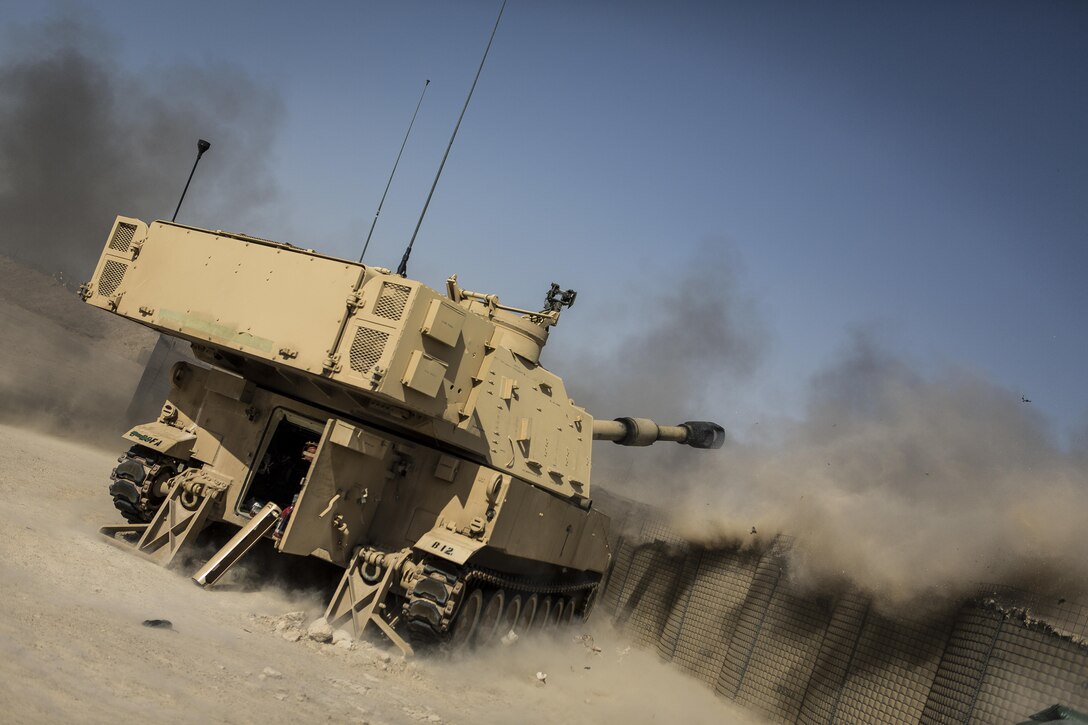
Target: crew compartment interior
point(283, 460)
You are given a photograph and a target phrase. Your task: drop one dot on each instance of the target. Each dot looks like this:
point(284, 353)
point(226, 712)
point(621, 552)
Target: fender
point(448, 545)
point(165, 439)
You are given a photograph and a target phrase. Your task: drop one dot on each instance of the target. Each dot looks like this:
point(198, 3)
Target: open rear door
point(339, 495)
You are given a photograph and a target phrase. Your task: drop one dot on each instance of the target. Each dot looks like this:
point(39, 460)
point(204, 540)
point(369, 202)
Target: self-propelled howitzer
point(409, 436)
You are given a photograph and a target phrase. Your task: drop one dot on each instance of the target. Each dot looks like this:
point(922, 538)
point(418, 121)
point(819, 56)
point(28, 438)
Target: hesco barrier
point(729, 618)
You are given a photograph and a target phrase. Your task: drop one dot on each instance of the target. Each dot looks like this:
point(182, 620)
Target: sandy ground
point(74, 649)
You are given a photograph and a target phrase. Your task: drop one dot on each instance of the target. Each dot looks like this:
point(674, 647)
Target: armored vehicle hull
point(362, 418)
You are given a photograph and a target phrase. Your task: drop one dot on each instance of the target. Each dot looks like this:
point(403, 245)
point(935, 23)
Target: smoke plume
point(83, 139)
point(695, 337)
point(913, 488)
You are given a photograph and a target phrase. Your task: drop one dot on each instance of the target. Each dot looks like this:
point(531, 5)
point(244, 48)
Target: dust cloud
point(592, 674)
point(914, 488)
point(83, 139)
point(65, 367)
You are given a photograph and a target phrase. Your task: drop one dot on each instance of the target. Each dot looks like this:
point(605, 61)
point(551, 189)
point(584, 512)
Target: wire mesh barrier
point(730, 618)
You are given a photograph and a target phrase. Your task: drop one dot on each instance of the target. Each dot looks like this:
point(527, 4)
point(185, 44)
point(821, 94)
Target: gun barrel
point(643, 432)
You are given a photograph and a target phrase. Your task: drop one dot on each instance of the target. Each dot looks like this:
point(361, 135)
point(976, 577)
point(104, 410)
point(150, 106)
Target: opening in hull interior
point(284, 463)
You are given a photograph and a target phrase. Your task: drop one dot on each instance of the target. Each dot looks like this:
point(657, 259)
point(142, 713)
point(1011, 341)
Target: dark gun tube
point(643, 432)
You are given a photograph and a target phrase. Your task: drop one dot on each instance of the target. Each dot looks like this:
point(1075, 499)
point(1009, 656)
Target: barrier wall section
point(730, 618)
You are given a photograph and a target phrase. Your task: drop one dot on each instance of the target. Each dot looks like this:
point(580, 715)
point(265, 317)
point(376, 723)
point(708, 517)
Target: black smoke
point(83, 138)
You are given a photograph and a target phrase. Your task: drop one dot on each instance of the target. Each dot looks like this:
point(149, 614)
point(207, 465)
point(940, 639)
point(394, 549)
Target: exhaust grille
point(111, 277)
point(367, 349)
point(391, 301)
point(122, 238)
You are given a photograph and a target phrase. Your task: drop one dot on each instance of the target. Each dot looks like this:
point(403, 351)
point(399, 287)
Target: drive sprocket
point(138, 481)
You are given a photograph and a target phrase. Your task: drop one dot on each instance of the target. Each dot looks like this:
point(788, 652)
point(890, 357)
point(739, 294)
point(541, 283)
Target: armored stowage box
point(353, 415)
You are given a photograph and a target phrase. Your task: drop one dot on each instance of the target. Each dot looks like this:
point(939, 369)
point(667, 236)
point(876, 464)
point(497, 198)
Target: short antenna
point(201, 147)
point(402, 270)
point(395, 163)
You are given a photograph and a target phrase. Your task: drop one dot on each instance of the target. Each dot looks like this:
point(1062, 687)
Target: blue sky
point(920, 170)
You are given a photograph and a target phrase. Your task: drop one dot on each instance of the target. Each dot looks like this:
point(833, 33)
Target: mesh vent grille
point(391, 301)
point(111, 277)
point(366, 349)
point(122, 238)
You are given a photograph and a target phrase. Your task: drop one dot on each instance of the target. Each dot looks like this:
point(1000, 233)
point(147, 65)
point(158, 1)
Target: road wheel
point(510, 613)
point(555, 616)
point(528, 615)
point(468, 619)
point(543, 613)
point(489, 618)
point(568, 613)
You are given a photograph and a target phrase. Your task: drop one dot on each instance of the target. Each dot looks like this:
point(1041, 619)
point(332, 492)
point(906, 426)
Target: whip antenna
point(395, 163)
point(402, 270)
point(201, 147)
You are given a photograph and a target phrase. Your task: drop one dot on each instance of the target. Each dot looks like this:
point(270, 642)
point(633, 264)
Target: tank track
point(134, 480)
point(430, 620)
point(498, 580)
